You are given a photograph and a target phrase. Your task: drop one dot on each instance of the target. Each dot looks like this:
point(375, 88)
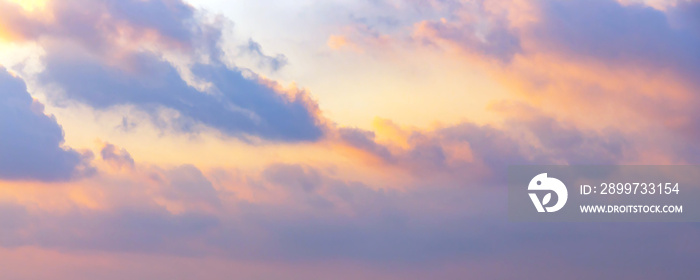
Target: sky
point(334, 139)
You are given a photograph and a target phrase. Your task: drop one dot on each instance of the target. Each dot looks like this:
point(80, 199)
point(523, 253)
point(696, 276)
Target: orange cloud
point(336, 42)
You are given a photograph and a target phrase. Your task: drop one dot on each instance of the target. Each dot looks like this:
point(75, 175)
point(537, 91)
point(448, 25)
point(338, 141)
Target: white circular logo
point(543, 183)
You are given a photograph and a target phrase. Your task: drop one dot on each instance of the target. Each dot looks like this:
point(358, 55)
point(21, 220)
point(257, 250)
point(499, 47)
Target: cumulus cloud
point(161, 56)
point(236, 105)
point(31, 145)
point(118, 158)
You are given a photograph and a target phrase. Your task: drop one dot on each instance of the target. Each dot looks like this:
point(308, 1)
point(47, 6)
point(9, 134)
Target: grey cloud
point(188, 185)
point(274, 63)
point(632, 41)
point(686, 15)
point(573, 146)
point(603, 30)
point(134, 222)
point(534, 139)
point(105, 54)
point(364, 140)
point(633, 34)
point(118, 157)
point(420, 228)
point(294, 176)
point(480, 32)
point(31, 143)
point(240, 105)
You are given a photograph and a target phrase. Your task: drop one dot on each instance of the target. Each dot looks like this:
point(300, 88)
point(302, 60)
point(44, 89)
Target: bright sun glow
point(30, 5)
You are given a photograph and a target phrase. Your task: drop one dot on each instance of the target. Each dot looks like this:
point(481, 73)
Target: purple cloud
point(112, 53)
point(31, 143)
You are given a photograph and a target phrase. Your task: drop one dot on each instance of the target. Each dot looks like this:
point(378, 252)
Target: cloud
point(274, 63)
point(364, 140)
point(31, 146)
point(444, 214)
point(473, 28)
point(600, 65)
point(236, 105)
point(477, 152)
point(294, 176)
point(606, 30)
point(162, 57)
point(358, 36)
point(187, 186)
point(119, 158)
point(419, 228)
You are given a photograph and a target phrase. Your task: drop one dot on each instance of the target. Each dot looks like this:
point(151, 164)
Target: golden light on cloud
point(336, 42)
point(390, 133)
point(30, 5)
point(157, 139)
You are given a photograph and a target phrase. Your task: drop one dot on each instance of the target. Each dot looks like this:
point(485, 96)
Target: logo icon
point(543, 183)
